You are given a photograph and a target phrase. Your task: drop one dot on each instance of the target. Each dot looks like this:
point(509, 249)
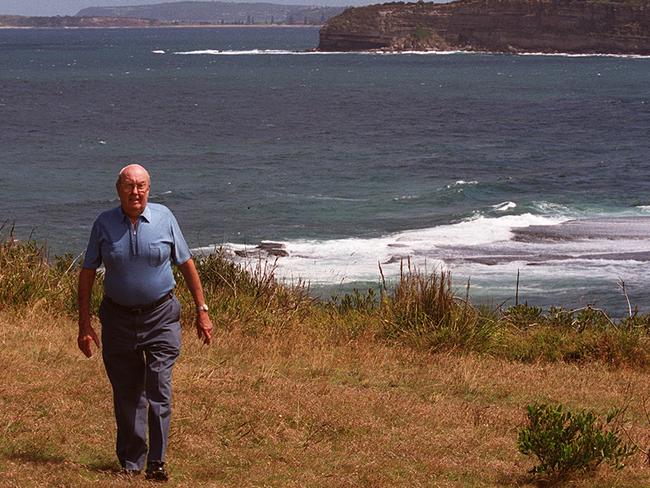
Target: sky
point(71, 7)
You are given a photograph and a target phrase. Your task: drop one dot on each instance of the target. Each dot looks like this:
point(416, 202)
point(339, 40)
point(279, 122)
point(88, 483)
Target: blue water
point(347, 160)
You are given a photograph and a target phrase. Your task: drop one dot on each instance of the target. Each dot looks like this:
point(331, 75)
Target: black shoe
point(156, 472)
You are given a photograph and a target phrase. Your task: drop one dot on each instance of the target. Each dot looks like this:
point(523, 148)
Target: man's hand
point(85, 339)
point(204, 327)
point(203, 323)
point(86, 332)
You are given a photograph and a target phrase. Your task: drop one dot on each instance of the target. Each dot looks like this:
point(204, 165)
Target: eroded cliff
point(568, 26)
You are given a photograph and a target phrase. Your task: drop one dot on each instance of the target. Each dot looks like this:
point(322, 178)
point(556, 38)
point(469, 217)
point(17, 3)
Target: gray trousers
point(139, 351)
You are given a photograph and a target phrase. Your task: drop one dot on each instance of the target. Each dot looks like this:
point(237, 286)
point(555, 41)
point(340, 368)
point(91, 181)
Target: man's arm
point(193, 282)
point(87, 334)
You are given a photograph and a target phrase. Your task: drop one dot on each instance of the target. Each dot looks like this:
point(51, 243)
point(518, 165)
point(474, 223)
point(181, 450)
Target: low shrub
point(565, 441)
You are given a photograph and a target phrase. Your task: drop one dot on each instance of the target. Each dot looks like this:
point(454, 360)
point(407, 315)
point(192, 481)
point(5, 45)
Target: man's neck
point(132, 218)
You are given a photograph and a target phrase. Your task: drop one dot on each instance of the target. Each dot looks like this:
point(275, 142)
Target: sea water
point(487, 165)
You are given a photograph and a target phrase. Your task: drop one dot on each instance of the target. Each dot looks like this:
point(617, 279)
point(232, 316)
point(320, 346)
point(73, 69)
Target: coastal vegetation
point(408, 384)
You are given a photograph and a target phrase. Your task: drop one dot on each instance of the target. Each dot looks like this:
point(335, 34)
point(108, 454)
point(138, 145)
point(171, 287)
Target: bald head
point(132, 186)
point(133, 170)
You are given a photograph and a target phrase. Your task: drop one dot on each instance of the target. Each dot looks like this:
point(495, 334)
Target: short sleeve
point(180, 250)
point(93, 256)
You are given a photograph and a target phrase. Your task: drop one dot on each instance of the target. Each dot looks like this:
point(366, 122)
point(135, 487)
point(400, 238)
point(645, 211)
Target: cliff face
point(569, 26)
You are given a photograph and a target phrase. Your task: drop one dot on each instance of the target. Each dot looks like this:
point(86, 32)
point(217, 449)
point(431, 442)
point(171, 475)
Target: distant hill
point(69, 21)
point(221, 13)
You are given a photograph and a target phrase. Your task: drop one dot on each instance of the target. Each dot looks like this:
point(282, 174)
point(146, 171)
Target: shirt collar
point(146, 214)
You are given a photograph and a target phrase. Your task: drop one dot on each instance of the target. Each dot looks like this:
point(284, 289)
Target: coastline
point(184, 26)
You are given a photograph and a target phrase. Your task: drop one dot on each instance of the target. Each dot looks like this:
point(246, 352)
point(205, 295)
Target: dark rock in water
point(547, 26)
point(277, 252)
point(604, 228)
point(267, 245)
point(264, 248)
point(273, 248)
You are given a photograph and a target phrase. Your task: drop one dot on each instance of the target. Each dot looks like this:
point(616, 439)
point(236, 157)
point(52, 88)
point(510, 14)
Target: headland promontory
point(544, 26)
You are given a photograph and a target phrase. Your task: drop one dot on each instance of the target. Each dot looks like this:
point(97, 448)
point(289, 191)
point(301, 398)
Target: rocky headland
point(544, 26)
point(217, 12)
point(74, 21)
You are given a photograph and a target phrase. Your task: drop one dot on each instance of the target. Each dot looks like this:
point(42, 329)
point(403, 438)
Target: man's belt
point(142, 308)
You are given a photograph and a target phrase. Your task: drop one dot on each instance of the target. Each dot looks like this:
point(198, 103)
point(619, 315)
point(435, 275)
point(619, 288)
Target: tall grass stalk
point(423, 308)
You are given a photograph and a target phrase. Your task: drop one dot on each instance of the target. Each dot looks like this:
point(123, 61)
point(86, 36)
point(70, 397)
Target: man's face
point(133, 190)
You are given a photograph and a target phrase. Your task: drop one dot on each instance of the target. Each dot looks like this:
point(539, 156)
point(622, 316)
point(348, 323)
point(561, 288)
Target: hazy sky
point(71, 7)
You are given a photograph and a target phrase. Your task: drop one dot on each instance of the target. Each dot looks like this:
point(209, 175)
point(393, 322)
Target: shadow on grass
point(35, 455)
point(538, 481)
point(104, 466)
point(39, 455)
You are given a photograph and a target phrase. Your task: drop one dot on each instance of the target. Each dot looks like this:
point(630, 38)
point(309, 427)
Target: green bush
point(523, 316)
point(566, 441)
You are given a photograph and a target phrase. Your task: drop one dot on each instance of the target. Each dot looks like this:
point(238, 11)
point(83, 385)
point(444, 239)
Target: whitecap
point(504, 206)
point(158, 51)
point(551, 208)
point(587, 55)
point(250, 52)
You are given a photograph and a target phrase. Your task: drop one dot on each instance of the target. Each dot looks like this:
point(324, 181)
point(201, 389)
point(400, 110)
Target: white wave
point(566, 55)
point(158, 51)
point(335, 199)
point(255, 52)
point(276, 52)
point(643, 208)
point(551, 208)
point(356, 259)
point(504, 206)
point(419, 53)
point(461, 183)
point(587, 55)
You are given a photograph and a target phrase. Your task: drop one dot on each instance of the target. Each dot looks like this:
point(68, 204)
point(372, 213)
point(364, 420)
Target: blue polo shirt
point(137, 258)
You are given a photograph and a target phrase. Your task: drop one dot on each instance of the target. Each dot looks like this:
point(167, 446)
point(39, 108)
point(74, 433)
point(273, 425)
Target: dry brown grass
point(291, 408)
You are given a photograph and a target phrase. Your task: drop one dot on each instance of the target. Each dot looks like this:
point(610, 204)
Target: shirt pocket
point(158, 254)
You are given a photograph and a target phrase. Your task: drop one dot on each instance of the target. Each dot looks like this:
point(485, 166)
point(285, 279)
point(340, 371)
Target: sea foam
point(357, 259)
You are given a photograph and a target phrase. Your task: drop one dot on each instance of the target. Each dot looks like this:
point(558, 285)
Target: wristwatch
point(202, 308)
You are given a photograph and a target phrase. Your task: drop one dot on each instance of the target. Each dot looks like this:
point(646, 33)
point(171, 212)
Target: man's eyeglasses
point(141, 187)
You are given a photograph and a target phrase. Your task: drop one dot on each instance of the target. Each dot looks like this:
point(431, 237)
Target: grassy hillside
point(417, 388)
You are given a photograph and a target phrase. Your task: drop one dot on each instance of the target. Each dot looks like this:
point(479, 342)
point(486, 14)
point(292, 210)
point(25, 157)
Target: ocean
point(486, 165)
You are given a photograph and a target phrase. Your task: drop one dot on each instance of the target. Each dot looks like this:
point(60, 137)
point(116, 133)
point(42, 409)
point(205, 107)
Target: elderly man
point(137, 243)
